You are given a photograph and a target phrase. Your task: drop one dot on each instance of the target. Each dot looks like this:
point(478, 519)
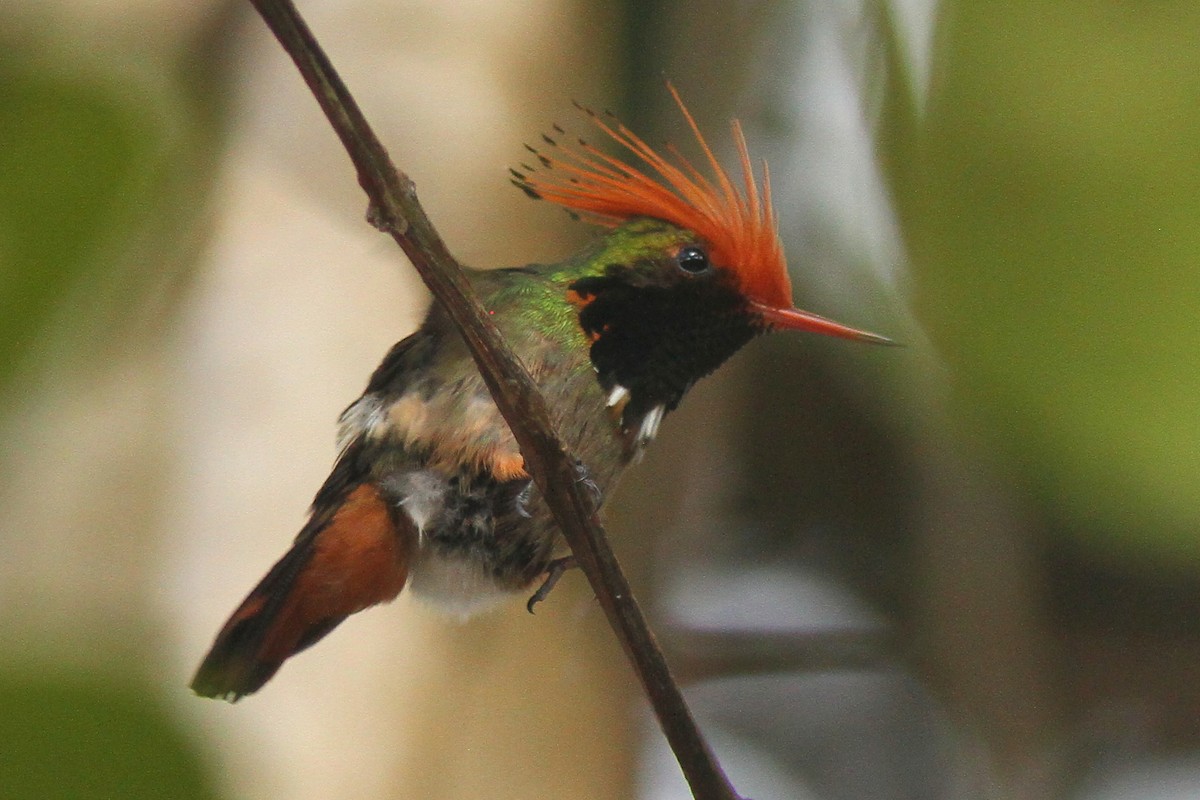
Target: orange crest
point(738, 225)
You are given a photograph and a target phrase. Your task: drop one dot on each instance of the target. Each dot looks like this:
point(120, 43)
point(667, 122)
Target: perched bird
point(430, 489)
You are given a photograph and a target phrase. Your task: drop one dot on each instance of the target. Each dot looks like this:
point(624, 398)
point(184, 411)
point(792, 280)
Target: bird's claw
point(585, 477)
point(521, 501)
point(554, 571)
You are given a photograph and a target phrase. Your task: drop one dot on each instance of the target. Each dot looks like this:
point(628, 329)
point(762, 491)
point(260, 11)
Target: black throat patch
point(657, 340)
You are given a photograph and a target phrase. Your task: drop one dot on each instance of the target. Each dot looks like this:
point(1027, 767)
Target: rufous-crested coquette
point(429, 489)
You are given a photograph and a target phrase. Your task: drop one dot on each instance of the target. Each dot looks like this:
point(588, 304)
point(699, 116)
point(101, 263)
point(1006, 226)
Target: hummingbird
point(429, 489)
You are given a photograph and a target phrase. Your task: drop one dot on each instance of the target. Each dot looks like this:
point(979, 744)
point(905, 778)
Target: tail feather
point(341, 563)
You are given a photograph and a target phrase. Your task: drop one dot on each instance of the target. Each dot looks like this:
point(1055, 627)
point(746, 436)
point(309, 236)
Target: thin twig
point(395, 210)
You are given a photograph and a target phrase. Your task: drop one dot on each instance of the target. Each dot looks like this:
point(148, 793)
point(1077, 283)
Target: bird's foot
point(585, 477)
point(554, 571)
point(521, 501)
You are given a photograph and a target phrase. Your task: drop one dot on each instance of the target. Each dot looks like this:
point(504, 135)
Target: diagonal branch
point(394, 209)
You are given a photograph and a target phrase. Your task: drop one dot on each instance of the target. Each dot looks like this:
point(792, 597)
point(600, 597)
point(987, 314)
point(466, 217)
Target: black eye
point(692, 260)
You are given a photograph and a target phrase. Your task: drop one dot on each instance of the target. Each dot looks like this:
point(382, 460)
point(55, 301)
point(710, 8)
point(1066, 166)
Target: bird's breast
point(455, 425)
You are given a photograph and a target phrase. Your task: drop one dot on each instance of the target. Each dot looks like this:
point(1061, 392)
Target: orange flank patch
point(476, 435)
point(359, 559)
point(502, 464)
point(508, 466)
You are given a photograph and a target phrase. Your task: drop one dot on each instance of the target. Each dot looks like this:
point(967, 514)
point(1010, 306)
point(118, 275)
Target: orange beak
point(793, 319)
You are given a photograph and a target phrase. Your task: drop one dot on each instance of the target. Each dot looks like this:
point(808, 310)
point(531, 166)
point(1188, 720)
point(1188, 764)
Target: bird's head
point(717, 233)
point(691, 269)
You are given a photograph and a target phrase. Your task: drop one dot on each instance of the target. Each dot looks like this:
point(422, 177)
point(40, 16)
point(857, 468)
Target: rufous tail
point(343, 561)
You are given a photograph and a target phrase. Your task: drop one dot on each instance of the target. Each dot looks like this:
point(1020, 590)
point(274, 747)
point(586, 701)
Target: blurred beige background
point(181, 463)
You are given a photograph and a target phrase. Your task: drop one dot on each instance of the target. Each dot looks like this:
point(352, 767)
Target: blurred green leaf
point(74, 740)
point(1051, 199)
point(71, 168)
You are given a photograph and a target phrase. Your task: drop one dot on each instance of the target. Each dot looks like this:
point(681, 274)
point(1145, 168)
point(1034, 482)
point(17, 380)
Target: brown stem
point(395, 210)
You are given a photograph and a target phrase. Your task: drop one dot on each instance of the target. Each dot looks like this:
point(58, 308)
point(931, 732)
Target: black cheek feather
point(657, 341)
